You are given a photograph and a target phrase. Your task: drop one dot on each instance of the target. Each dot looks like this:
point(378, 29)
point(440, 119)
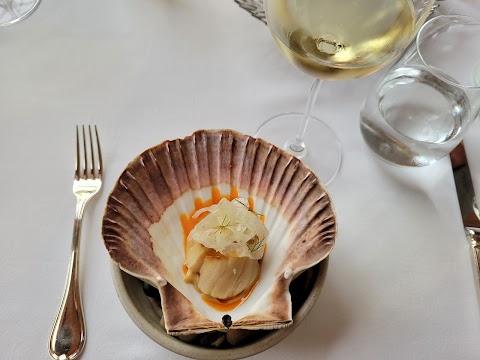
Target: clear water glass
point(12, 11)
point(423, 106)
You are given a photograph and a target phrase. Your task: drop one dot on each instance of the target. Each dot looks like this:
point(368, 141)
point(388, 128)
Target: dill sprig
point(241, 203)
point(248, 208)
point(256, 245)
point(223, 225)
point(256, 213)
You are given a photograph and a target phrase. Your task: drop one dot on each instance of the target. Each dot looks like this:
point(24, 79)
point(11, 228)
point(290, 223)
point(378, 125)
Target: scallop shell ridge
point(167, 178)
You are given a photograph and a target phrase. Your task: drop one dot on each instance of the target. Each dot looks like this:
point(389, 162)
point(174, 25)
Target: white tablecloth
point(400, 283)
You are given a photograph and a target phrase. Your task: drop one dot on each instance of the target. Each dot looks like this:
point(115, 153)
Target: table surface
point(400, 283)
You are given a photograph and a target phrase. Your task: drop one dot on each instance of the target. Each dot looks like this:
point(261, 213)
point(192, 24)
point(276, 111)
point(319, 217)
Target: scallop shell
point(143, 232)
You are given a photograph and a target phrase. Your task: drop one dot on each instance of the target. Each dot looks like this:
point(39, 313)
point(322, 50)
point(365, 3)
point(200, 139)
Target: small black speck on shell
point(227, 321)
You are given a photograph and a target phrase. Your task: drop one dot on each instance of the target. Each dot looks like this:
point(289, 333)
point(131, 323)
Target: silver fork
point(67, 339)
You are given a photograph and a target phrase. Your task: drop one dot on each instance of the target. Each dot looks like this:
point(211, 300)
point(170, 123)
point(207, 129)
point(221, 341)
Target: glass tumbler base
point(12, 11)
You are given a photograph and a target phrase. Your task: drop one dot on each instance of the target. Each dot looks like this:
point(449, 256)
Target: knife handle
point(473, 235)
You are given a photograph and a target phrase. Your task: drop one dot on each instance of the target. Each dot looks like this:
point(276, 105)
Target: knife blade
point(468, 204)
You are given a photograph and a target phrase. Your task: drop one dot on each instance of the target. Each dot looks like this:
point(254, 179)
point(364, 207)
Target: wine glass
point(334, 39)
point(12, 11)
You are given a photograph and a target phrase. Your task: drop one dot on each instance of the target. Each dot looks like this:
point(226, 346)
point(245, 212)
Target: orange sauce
point(224, 306)
point(221, 306)
point(188, 223)
point(234, 193)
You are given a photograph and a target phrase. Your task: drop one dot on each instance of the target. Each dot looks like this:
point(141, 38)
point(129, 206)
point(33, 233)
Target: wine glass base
point(322, 153)
point(12, 11)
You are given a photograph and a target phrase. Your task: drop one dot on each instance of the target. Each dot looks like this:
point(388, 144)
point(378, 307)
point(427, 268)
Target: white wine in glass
point(334, 39)
point(12, 11)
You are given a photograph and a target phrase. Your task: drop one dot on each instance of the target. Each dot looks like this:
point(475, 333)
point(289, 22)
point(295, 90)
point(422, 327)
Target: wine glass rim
point(465, 20)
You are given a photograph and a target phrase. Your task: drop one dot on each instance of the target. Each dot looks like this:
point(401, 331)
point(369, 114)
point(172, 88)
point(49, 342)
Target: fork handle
point(67, 339)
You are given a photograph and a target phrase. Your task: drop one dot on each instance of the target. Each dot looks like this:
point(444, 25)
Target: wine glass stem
point(298, 145)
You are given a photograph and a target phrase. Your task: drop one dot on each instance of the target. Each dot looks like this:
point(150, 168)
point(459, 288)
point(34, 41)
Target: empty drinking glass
point(422, 108)
point(12, 11)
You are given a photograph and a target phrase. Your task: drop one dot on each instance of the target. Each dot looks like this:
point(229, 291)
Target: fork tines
point(85, 169)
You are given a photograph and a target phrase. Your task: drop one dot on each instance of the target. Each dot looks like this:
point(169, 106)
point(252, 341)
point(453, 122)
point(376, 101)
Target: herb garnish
point(248, 208)
point(256, 245)
point(223, 225)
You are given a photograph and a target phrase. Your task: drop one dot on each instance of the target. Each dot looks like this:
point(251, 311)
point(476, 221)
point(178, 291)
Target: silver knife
point(468, 204)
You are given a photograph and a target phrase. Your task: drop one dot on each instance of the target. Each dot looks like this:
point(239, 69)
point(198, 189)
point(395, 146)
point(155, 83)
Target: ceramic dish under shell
point(143, 306)
point(144, 233)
